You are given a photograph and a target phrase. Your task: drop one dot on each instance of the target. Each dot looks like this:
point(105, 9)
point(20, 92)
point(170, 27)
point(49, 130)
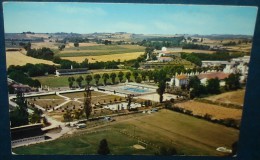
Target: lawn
point(189, 135)
point(86, 144)
point(62, 81)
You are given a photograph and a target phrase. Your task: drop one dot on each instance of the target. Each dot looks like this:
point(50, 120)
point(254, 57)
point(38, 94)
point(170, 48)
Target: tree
point(213, 86)
point(76, 44)
point(138, 79)
point(20, 115)
point(143, 74)
point(71, 81)
point(67, 116)
point(232, 82)
point(61, 47)
point(161, 90)
point(128, 75)
point(79, 81)
point(88, 79)
point(87, 102)
point(120, 76)
point(97, 77)
point(135, 74)
point(150, 75)
point(105, 77)
point(113, 77)
point(103, 147)
point(136, 65)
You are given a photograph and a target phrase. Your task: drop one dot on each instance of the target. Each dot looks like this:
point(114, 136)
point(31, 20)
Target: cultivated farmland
point(18, 58)
point(234, 97)
point(122, 57)
point(217, 112)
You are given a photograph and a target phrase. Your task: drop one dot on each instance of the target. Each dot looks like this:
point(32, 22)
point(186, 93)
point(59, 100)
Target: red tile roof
point(219, 75)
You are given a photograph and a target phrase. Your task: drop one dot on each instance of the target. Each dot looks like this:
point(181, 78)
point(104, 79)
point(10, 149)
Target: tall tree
point(128, 75)
point(105, 77)
point(113, 77)
point(120, 76)
point(103, 147)
point(161, 90)
point(87, 102)
point(97, 77)
point(88, 78)
point(20, 115)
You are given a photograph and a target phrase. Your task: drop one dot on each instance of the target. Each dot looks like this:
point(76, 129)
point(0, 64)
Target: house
point(206, 76)
point(61, 72)
point(174, 49)
point(21, 87)
point(213, 63)
point(165, 59)
point(27, 134)
point(181, 80)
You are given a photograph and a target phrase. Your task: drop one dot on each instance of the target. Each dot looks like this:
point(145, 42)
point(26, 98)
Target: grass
point(234, 97)
point(189, 135)
point(62, 81)
point(86, 144)
point(217, 112)
point(100, 50)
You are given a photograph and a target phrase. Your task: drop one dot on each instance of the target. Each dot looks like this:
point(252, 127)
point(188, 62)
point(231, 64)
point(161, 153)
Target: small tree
point(113, 77)
point(79, 81)
point(76, 44)
point(97, 77)
point(105, 77)
point(128, 75)
point(120, 76)
point(88, 79)
point(103, 147)
point(71, 81)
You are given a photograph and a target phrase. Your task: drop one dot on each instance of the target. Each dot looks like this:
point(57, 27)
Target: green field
point(99, 50)
point(62, 81)
point(86, 144)
point(189, 135)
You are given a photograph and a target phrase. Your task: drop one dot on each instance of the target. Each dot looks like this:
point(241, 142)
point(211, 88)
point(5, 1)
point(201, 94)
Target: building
point(61, 72)
point(27, 134)
point(174, 49)
point(206, 76)
point(213, 63)
point(21, 87)
point(165, 59)
point(179, 80)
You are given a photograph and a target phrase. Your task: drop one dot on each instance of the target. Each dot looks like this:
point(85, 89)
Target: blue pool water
point(138, 90)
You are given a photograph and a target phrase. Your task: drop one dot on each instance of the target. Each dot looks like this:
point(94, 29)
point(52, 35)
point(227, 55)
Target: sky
point(132, 18)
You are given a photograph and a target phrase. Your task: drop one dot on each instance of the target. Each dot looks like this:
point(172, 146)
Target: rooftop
point(219, 75)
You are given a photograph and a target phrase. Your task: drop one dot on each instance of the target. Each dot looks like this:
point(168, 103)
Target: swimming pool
point(138, 90)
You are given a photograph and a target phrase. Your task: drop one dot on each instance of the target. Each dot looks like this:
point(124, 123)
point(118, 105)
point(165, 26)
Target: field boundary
point(227, 105)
